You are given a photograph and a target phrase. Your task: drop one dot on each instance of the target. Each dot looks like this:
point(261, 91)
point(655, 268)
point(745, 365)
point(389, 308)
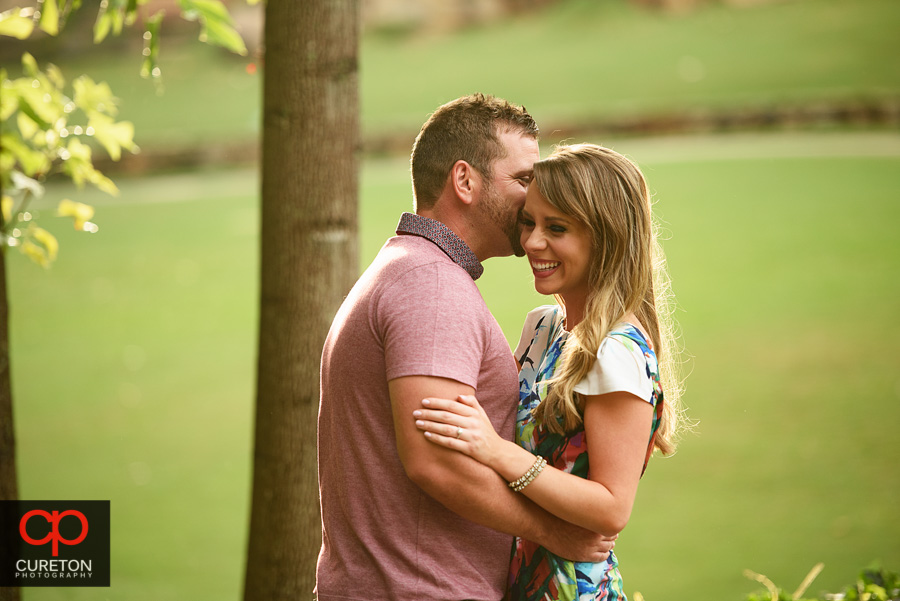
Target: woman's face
point(558, 248)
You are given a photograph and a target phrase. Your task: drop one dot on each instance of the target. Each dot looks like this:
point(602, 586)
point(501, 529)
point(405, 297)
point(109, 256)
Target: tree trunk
point(9, 487)
point(308, 264)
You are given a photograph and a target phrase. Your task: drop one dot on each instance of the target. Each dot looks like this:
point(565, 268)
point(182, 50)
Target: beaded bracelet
point(532, 473)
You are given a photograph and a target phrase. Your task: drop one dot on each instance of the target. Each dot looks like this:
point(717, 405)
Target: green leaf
point(35, 253)
point(55, 76)
point(37, 112)
point(110, 17)
point(150, 67)
point(94, 97)
point(130, 10)
point(45, 239)
point(81, 169)
point(37, 96)
point(216, 24)
point(50, 17)
point(9, 98)
point(40, 246)
point(17, 23)
point(6, 206)
point(103, 25)
point(206, 9)
point(27, 127)
point(118, 21)
point(33, 162)
point(112, 135)
point(67, 8)
point(221, 34)
point(30, 65)
point(79, 212)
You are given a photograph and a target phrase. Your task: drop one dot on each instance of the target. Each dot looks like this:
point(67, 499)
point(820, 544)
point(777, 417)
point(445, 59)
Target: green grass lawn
point(580, 59)
point(584, 59)
point(133, 363)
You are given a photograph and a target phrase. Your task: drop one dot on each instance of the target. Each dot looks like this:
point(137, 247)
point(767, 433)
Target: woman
point(591, 400)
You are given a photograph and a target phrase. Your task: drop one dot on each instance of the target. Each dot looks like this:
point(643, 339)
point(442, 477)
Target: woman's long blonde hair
point(608, 193)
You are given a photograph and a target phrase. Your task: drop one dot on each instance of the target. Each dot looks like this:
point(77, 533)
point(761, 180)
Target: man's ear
point(466, 181)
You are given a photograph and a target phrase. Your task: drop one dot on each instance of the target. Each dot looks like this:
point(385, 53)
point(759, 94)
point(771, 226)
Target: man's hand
point(578, 544)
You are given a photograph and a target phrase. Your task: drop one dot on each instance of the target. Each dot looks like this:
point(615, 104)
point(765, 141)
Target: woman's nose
point(533, 240)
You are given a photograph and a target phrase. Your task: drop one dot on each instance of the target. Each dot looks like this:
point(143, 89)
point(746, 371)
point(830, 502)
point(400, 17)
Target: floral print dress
point(536, 574)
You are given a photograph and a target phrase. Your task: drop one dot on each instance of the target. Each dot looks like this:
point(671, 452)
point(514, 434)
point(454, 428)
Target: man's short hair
point(464, 129)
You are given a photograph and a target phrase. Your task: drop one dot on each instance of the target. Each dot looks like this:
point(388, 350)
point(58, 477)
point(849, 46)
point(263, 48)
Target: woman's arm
point(473, 490)
point(617, 427)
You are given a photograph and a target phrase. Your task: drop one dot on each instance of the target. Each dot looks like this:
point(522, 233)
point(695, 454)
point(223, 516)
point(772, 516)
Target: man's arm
point(473, 490)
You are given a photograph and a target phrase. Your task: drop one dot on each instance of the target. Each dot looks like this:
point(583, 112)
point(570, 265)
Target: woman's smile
point(558, 247)
point(543, 268)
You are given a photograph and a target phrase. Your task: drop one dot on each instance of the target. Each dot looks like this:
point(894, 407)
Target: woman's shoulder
point(541, 317)
point(548, 311)
point(628, 336)
point(539, 324)
point(626, 339)
point(621, 365)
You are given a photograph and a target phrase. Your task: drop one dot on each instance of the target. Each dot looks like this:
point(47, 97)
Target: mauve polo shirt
point(415, 311)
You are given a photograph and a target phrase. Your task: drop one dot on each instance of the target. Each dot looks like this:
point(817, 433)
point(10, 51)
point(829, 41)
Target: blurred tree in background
point(308, 263)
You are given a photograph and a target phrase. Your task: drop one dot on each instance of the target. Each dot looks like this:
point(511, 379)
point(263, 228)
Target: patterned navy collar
point(444, 238)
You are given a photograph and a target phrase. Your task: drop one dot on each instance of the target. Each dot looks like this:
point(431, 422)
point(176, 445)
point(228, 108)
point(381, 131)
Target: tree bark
point(9, 482)
point(308, 264)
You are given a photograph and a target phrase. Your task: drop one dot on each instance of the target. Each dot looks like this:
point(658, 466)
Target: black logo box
point(86, 563)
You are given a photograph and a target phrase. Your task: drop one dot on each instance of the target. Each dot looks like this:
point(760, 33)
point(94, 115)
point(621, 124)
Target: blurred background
point(769, 131)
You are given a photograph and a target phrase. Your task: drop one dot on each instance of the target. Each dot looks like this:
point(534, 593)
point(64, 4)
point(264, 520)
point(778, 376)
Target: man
point(404, 519)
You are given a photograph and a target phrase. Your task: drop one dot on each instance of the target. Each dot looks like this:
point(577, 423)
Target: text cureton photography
point(54, 568)
point(54, 543)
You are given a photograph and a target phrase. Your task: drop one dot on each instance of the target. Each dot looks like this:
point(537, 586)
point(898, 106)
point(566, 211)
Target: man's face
point(504, 196)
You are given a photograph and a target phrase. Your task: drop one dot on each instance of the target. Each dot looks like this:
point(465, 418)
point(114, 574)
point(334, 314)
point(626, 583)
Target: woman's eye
point(557, 229)
point(526, 222)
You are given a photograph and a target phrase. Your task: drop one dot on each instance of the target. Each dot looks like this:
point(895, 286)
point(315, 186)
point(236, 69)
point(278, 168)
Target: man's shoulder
point(415, 281)
point(412, 260)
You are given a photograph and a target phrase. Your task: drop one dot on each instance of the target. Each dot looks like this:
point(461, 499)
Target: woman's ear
point(466, 181)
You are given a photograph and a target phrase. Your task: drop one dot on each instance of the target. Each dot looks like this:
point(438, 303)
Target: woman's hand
point(461, 425)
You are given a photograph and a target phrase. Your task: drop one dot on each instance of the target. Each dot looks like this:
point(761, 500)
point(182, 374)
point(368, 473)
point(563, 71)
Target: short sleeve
point(431, 324)
point(620, 367)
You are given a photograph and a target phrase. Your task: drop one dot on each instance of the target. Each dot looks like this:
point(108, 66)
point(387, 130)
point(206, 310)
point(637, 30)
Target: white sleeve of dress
point(618, 369)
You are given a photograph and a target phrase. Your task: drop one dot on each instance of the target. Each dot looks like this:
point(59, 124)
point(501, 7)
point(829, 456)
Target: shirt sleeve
point(620, 367)
point(431, 324)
